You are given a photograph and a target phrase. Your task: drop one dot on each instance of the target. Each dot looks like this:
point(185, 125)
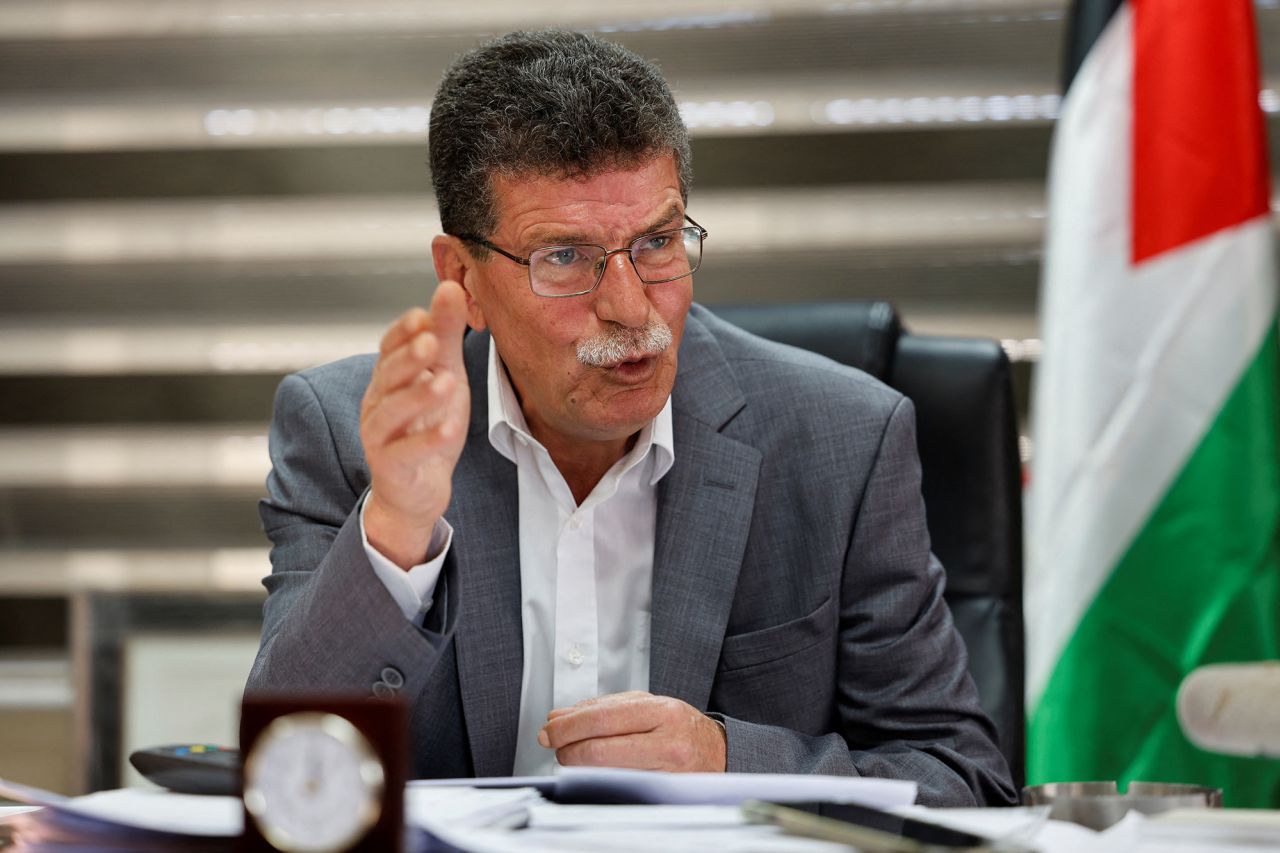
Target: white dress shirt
point(586, 571)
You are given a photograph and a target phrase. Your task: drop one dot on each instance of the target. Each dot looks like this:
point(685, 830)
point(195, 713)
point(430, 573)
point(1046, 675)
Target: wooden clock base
point(383, 723)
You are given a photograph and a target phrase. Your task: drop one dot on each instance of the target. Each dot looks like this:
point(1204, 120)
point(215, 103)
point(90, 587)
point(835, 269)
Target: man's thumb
point(449, 317)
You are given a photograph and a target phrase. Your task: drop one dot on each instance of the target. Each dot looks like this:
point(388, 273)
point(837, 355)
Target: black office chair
point(972, 483)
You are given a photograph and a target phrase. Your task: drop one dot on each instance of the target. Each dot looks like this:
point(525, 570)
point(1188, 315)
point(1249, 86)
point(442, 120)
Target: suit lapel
point(704, 514)
point(486, 546)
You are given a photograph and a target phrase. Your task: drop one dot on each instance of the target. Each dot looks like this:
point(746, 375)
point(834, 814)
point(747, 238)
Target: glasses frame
point(604, 259)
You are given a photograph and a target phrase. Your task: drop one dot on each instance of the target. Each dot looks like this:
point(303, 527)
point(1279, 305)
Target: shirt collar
point(506, 421)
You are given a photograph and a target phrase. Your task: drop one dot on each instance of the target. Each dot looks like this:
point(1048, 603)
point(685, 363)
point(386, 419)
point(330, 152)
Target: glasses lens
point(571, 270)
point(667, 255)
point(564, 270)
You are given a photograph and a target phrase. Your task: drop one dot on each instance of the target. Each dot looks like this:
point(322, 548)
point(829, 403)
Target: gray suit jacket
point(794, 594)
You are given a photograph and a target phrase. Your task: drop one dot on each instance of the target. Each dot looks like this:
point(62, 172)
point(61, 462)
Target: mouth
point(635, 368)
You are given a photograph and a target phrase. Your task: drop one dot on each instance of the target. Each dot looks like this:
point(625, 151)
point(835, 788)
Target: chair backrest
point(968, 442)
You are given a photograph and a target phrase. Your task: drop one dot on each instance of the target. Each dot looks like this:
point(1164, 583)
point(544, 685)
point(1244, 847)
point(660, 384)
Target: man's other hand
point(413, 423)
point(638, 730)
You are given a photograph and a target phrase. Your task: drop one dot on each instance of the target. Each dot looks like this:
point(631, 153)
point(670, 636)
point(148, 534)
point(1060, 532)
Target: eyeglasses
point(577, 268)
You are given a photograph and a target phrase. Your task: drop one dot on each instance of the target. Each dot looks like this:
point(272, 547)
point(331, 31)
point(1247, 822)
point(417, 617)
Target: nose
point(621, 297)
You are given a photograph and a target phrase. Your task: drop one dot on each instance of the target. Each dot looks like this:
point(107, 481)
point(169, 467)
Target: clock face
point(312, 783)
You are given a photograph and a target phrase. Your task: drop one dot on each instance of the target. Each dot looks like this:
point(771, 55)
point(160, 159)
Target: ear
point(454, 262)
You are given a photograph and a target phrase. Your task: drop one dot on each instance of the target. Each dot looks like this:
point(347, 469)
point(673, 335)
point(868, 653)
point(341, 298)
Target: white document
point(553, 816)
point(680, 839)
point(11, 811)
point(1212, 829)
point(544, 784)
point(434, 808)
point(1024, 825)
point(141, 808)
point(616, 785)
point(222, 817)
point(163, 811)
point(581, 784)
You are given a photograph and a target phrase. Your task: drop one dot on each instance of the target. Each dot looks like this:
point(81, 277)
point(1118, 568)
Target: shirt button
point(576, 657)
point(575, 523)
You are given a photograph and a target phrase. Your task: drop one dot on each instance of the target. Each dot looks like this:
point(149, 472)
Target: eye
point(653, 242)
point(564, 256)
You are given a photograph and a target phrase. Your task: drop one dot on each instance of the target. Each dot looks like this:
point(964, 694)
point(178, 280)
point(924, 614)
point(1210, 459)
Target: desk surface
point(669, 829)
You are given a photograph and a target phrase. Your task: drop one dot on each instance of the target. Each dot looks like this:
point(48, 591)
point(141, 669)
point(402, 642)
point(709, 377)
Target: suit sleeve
point(329, 623)
point(906, 707)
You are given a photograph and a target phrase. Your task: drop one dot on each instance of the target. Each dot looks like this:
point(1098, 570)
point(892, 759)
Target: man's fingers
point(413, 451)
point(605, 719)
point(409, 323)
point(420, 340)
point(440, 386)
point(416, 407)
point(636, 751)
point(635, 729)
point(653, 732)
point(413, 422)
point(402, 365)
point(447, 318)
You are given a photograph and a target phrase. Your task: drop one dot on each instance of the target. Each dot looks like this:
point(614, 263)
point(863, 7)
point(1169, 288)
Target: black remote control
point(191, 768)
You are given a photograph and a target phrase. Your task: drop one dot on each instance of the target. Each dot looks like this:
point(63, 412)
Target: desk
point(697, 829)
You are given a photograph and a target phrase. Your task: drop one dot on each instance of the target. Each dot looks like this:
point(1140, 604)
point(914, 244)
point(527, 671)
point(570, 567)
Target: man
point(605, 527)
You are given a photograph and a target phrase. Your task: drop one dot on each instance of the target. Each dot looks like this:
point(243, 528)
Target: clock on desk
point(323, 774)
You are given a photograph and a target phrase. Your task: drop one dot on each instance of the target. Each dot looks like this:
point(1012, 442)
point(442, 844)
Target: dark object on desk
point(191, 768)
point(968, 440)
point(869, 830)
point(324, 773)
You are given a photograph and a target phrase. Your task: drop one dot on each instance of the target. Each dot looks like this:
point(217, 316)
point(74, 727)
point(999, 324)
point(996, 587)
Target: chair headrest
point(861, 334)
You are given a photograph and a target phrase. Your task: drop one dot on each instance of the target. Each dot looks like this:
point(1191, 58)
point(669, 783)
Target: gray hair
point(551, 103)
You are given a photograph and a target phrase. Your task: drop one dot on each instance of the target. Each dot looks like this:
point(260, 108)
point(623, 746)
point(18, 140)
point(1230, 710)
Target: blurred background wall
point(198, 197)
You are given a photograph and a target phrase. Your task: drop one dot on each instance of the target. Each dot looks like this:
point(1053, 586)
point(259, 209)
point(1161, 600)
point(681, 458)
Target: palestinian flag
point(1155, 487)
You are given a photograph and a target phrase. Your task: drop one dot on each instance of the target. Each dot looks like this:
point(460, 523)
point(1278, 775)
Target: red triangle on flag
point(1199, 145)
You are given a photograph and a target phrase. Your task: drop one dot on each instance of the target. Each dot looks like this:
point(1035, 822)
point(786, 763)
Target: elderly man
point(605, 527)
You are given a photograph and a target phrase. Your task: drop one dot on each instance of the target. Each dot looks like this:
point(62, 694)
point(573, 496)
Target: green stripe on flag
point(1199, 584)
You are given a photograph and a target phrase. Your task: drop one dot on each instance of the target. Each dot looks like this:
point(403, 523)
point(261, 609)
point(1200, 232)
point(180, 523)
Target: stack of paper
point(131, 819)
point(148, 819)
point(613, 785)
point(473, 813)
point(635, 829)
point(669, 812)
point(1212, 829)
point(434, 808)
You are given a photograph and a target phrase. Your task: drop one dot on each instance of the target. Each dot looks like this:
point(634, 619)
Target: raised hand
point(638, 730)
point(413, 423)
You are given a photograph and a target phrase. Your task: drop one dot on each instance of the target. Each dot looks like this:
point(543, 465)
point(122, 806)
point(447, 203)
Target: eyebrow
point(665, 221)
point(563, 238)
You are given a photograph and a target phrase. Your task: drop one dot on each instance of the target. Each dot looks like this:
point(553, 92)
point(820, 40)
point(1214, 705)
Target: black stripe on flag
point(1088, 19)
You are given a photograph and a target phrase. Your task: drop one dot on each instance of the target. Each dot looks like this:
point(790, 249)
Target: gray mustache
point(619, 343)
